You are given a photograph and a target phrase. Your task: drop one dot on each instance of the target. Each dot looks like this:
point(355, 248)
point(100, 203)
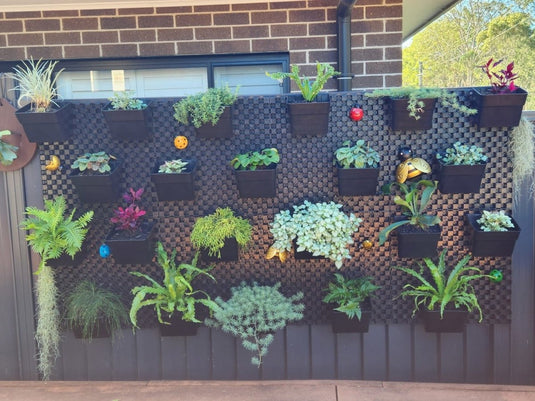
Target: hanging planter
point(132, 248)
point(256, 173)
point(400, 120)
point(342, 324)
point(358, 169)
point(128, 118)
point(498, 110)
point(417, 243)
point(452, 321)
point(49, 126)
point(492, 243)
point(228, 253)
point(462, 179)
point(222, 129)
point(173, 180)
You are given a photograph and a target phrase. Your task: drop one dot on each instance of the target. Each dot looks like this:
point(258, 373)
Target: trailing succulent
point(253, 313)
point(358, 156)
point(460, 154)
point(495, 221)
point(319, 228)
point(349, 294)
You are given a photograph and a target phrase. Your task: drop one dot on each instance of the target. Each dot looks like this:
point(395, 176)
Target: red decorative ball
point(356, 114)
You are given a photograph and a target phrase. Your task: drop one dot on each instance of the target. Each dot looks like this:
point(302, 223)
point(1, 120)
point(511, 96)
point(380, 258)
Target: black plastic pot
point(258, 183)
point(135, 249)
point(461, 179)
point(309, 119)
point(178, 327)
point(495, 243)
point(417, 243)
point(222, 129)
point(498, 110)
point(50, 126)
point(67, 260)
point(342, 324)
point(401, 121)
point(173, 186)
point(229, 252)
point(453, 320)
point(129, 124)
point(357, 181)
point(98, 187)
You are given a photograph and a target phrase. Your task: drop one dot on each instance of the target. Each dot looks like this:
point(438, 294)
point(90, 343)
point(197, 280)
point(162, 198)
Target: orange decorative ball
point(367, 244)
point(181, 142)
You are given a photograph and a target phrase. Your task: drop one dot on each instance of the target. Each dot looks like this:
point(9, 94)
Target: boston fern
point(176, 293)
point(253, 313)
point(442, 289)
point(349, 294)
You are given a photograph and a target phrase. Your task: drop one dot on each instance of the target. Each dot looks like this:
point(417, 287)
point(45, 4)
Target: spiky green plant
point(455, 288)
point(52, 233)
point(175, 294)
point(89, 306)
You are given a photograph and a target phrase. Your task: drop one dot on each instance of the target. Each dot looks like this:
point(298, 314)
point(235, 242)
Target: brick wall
point(306, 29)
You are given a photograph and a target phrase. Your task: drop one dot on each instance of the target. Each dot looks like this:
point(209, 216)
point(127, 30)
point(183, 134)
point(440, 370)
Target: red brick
point(307, 15)
point(393, 80)
point(166, 35)
point(211, 8)
point(323, 56)
point(232, 46)
point(36, 25)
point(331, 14)
point(297, 57)
point(79, 24)
point(100, 37)
point(109, 11)
point(137, 35)
point(194, 47)
point(117, 22)
point(332, 41)
point(357, 13)
point(249, 6)
point(61, 13)
point(288, 30)
point(393, 53)
point(231, 19)
point(61, 38)
point(285, 5)
point(12, 53)
point(136, 11)
point(212, 33)
point(357, 41)
point(251, 31)
point(307, 43)
point(322, 29)
point(270, 17)
point(384, 12)
point(156, 49)
point(383, 67)
point(270, 45)
point(24, 39)
point(357, 68)
point(46, 52)
point(193, 20)
point(393, 1)
point(321, 3)
point(367, 26)
point(11, 26)
point(90, 51)
point(383, 39)
point(367, 81)
point(3, 41)
point(369, 2)
point(394, 25)
point(174, 10)
point(119, 50)
point(2, 15)
point(156, 21)
point(23, 14)
point(367, 54)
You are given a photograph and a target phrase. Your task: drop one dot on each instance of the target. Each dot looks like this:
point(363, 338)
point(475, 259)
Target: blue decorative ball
point(104, 251)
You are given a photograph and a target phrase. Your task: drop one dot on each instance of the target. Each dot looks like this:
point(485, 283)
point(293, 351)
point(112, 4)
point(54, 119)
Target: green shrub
point(460, 154)
point(99, 162)
point(125, 101)
point(176, 166)
point(349, 294)
point(358, 156)
point(495, 221)
point(253, 160)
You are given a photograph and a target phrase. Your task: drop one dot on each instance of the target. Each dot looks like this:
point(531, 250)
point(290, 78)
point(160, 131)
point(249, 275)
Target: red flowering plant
point(502, 81)
point(128, 219)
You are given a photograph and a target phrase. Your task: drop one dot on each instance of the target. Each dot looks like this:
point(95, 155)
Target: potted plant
point(209, 112)
point(219, 234)
point(94, 312)
point(315, 229)
point(174, 294)
point(44, 118)
point(253, 313)
point(256, 173)
point(492, 233)
point(127, 117)
point(461, 168)
point(412, 108)
point(501, 103)
point(418, 233)
point(447, 298)
point(130, 241)
point(358, 168)
point(96, 177)
point(9, 145)
point(352, 306)
point(311, 117)
point(52, 233)
point(173, 180)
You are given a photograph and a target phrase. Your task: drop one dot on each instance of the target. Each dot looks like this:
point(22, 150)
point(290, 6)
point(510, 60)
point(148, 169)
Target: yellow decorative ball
point(181, 142)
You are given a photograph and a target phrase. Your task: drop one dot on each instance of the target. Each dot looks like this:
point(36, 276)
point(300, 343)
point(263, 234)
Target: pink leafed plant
point(502, 81)
point(128, 219)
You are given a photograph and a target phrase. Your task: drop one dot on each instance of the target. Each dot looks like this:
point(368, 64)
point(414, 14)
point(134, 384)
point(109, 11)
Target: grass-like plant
point(88, 306)
point(8, 152)
point(210, 232)
point(253, 313)
point(443, 289)
point(52, 232)
point(175, 293)
point(37, 83)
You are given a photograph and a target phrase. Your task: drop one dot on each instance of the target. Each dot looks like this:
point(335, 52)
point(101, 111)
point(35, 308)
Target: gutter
point(343, 27)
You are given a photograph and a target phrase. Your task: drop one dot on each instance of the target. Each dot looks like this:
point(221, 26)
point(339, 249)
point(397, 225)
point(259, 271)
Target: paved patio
point(259, 391)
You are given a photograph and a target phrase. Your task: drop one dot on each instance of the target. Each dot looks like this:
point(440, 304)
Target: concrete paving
point(313, 390)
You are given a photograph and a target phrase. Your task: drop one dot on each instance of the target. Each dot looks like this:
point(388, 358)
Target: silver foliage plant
point(253, 313)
